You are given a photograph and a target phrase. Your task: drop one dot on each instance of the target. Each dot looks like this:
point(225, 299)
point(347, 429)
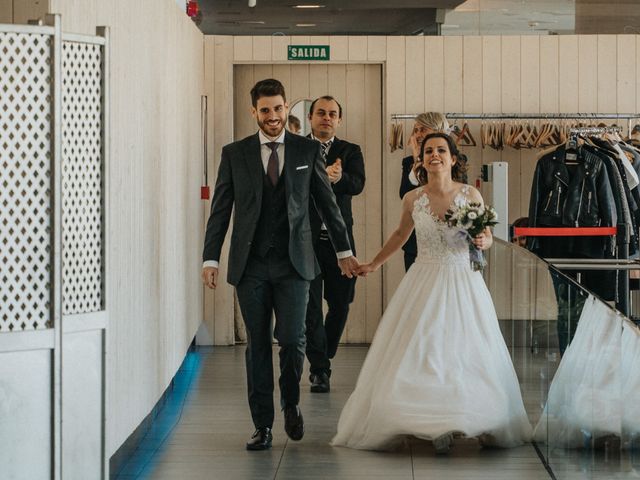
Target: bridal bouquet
point(466, 222)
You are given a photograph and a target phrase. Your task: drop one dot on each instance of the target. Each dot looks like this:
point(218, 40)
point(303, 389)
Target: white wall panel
point(414, 74)
point(626, 75)
point(433, 73)
point(370, 242)
point(262, 48)
point(511, 102)
point(279, 48)
point(376, 48)
point(569, 75)
point(549, 55)
point(397, 99)
point(339, 47)
point(6, 11)
point(529, 103)
point(472, 77)
point(221, 122)
point(355, 132)
point(588, 73)
point(453, 77)
point(357, 49)
point(25, 406)
point(156, 216)
point(242, 49)
point(82, 404)
point(607, 73)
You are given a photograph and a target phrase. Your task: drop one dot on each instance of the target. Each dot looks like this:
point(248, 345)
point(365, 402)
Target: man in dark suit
point(268, 180)
point(345, 167)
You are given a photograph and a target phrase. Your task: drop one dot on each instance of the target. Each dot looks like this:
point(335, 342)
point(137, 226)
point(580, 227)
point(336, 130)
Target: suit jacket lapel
point(291, 159)
point(253, 158)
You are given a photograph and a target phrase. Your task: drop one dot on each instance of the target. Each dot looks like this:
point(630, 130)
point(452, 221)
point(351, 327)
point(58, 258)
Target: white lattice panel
point(82, 219)
point(25, 183)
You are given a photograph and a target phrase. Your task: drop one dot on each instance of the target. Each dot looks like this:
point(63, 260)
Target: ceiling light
point(252, 3)
point(309, 6)
point(251, 22)
point(305, 24)
point(449, 26)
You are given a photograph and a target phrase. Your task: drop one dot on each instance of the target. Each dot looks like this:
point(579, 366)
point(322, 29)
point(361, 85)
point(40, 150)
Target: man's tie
point(273, 170)
point(324, 147)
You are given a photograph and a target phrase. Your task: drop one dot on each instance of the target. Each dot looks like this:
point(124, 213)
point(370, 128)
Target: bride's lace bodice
point(430, 231)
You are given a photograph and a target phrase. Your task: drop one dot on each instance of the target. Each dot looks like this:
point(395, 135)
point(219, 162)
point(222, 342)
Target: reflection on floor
point(201, 432)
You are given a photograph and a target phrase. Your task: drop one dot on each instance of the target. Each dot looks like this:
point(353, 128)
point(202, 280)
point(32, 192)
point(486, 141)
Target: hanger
point(482, 142)
point(465, 137)
point(571, 150)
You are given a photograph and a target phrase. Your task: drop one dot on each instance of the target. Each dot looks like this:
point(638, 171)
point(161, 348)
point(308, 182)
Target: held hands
point(366, 268)
point(335, 171)
point(349, 266)
point(210, 277)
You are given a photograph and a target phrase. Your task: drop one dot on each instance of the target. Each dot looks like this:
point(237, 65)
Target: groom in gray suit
point(268, 180)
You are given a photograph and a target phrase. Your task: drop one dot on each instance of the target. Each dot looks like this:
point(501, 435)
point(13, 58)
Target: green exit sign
point(308, 52)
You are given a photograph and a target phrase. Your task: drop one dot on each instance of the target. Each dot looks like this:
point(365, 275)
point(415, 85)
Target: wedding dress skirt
point(438, 363)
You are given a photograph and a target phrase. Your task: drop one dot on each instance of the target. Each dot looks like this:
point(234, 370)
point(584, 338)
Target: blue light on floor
point(141, 462)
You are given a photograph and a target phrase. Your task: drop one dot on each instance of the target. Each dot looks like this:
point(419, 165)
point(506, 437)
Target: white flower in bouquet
point(472, 215)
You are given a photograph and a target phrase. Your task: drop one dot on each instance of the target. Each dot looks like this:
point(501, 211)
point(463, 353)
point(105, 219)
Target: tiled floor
point(202, 430)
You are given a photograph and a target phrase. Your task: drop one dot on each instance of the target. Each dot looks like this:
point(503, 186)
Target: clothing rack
point(529, 116)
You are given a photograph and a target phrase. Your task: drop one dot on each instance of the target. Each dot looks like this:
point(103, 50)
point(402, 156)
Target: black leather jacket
point(571, 196)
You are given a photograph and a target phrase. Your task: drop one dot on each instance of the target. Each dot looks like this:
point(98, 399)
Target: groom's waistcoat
point(272, 231)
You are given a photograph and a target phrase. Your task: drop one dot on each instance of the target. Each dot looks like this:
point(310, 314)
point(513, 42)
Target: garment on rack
point(396, 137)
point(618, 187)
point(632, 175)
point(578, 194)
point(573, 195)
point(635, 192)
point(627, 198)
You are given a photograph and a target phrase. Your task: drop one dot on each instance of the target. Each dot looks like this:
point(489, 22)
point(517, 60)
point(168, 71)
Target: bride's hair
point(458, 170)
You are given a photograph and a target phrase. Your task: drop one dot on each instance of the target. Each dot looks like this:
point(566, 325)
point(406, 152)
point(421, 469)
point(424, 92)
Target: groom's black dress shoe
point(293, 422)
point(261, 439)
point(320, 383)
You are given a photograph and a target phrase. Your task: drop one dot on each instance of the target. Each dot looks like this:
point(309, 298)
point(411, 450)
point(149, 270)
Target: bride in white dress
point(438, 364)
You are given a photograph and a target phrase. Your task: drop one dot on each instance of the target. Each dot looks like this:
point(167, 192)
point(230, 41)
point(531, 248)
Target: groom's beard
point(271, 128)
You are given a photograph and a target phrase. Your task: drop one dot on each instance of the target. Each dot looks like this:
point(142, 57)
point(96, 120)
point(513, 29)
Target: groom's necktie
point(273, 170)
point(324, 151)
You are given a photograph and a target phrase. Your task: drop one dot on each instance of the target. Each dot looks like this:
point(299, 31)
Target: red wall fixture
point(192, 8)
